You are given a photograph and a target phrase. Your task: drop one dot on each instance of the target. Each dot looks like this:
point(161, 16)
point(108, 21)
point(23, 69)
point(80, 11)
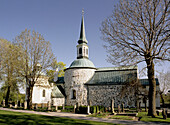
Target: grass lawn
point(150, 119)
point(16, 118)
point(107, 115)
point(140, 114)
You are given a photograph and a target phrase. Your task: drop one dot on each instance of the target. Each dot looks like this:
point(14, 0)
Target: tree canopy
point(137, 31)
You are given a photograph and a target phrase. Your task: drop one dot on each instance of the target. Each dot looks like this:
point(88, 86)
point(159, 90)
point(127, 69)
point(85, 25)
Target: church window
point(84, 50)
point(87, 51)
point(80, 50)
point(43, 93)
point(73, 94)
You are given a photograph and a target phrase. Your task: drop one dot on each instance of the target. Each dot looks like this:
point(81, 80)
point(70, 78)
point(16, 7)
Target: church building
point(86, 84)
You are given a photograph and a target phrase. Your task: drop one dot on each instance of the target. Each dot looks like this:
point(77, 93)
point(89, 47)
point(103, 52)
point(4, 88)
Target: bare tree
point(137, 31)
point(37, 56)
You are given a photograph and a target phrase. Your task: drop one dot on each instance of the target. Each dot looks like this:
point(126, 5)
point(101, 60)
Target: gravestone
point(16, 106)
point(63, 107)
point(3, 103)
point(49, 105)
point(10, 105)
point(112, 105)
point(56, 108)
point(25, 105)
point(118, 107)
point(88, 110)
point(74, 108)
point(123, 110)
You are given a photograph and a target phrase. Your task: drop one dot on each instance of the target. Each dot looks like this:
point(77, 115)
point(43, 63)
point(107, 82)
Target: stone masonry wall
point(74, 80)
point(103, 94)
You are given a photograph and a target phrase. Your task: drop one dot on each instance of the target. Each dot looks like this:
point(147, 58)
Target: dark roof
point(113, 76)
point(60, 80)
point(145, 82)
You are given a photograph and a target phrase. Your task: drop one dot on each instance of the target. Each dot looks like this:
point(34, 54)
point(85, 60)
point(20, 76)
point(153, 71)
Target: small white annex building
point(42, 89)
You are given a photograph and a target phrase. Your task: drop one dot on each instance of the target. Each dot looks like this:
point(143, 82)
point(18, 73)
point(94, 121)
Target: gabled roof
point(145, 82)
point(56, 93)
point(113, 76)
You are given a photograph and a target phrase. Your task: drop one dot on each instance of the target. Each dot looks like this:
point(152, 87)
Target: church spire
point(82, 38)
point(82, 48)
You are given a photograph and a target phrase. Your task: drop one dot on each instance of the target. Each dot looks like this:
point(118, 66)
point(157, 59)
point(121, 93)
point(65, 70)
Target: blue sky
point(59, 22)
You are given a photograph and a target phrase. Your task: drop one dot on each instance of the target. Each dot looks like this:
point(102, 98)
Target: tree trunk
point(7, 96)
point(152, 87)
point(163, 102)
point(29, 101)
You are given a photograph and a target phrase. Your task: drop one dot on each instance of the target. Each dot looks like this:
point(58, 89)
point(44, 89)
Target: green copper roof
point(56, 92)
point(82, 38)
point(145, 82)
point(83, 62)
point(113, 76)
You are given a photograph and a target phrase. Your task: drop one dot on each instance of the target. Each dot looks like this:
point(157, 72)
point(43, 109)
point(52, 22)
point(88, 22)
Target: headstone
point(10, 105)
point(63, 107)
point(112, 105)
point(74, 108)
point(56, 108)
point(16, 106)
point(88, 110)
point(25, 105)
point(123, 107)
point(3, 103)
point(118, 107)
point(49, 105)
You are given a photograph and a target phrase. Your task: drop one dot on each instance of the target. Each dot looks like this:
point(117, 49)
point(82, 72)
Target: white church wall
point(58, 101)
point(37, 95)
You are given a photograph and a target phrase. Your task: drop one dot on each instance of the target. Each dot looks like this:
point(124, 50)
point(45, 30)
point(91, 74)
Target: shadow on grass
point(15, 118)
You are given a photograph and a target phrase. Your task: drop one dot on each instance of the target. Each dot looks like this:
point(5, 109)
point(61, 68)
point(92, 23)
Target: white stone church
point(83, 83)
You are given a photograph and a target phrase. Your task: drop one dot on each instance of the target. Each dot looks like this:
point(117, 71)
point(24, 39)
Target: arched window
point(84, 51)
point(87, 51)
point(43, 94)
point(73, 94)
point(80, 50)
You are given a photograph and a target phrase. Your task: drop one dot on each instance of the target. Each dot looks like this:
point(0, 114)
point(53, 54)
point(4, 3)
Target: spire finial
point(82, 11)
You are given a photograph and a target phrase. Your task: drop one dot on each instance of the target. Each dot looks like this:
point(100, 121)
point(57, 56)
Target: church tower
point(82, 48)
point(79, 73)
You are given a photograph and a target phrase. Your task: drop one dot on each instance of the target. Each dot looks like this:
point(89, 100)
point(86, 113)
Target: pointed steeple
point(82, 38)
